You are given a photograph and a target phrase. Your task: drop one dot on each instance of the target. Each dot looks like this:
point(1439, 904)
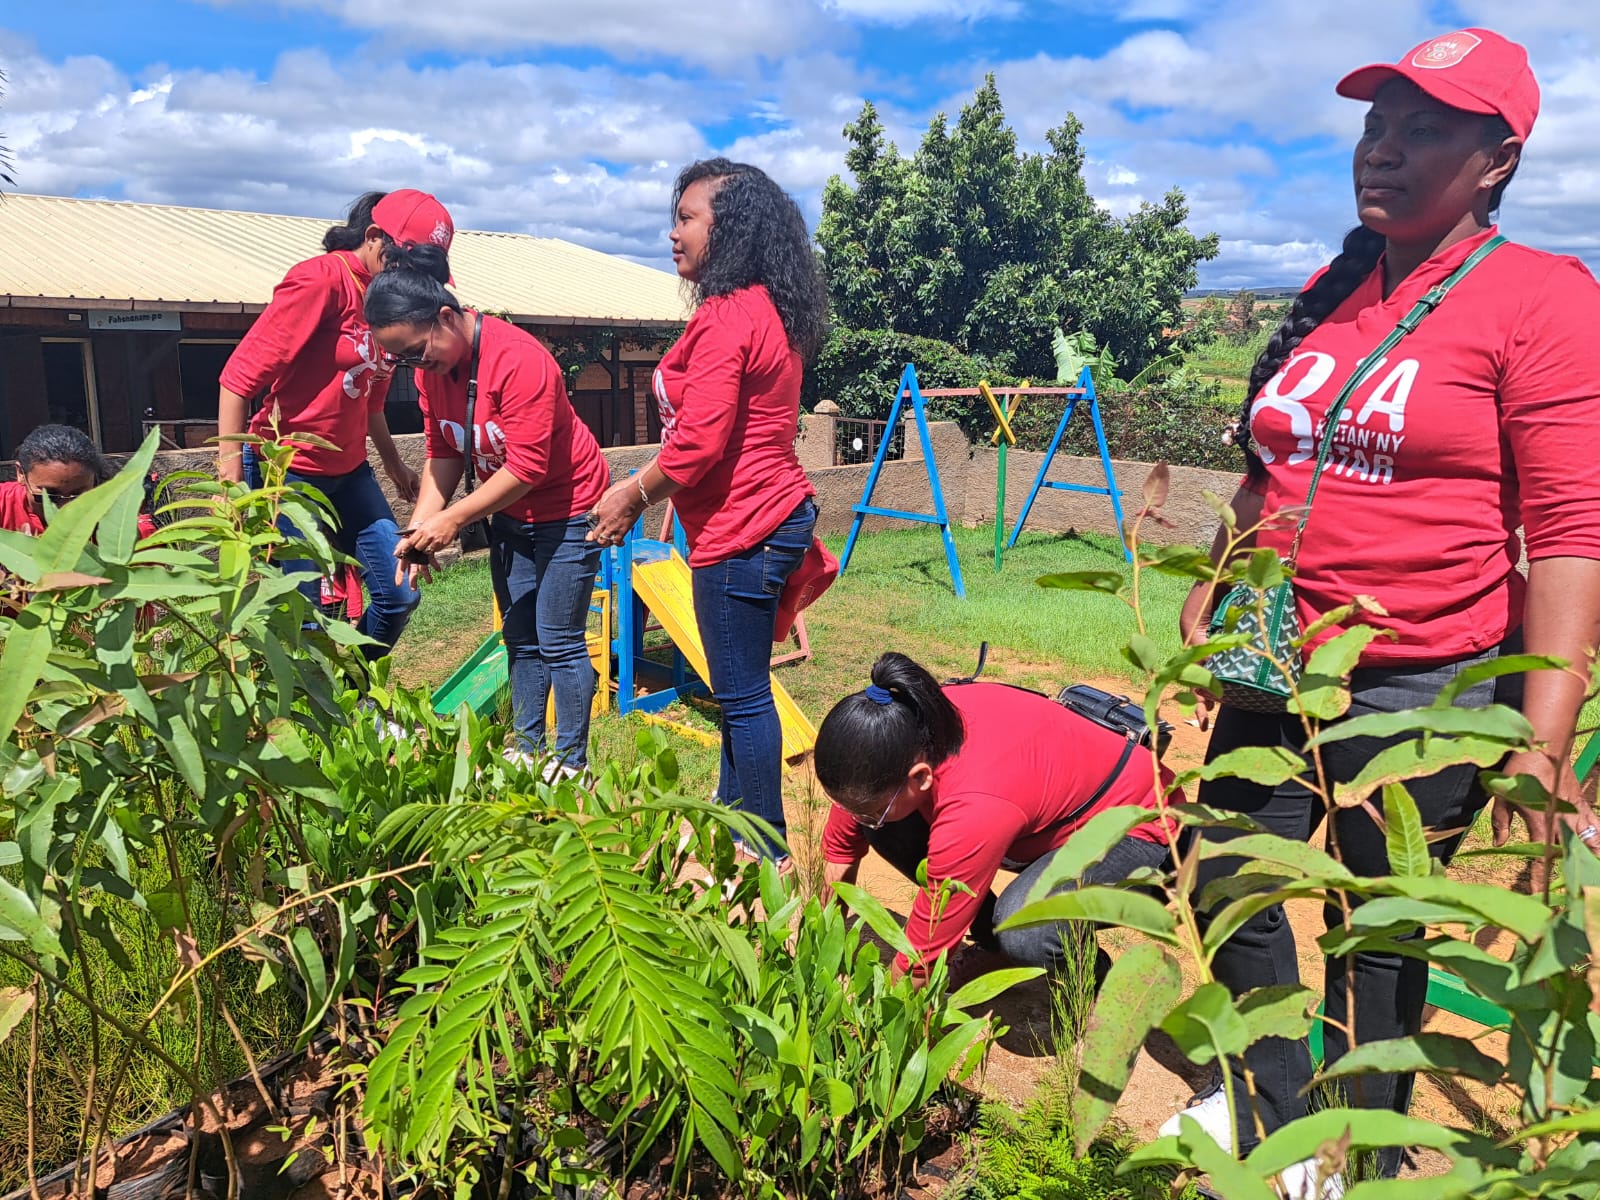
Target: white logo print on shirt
point(1364, 447)
point(489, 445)
point(669, 414)
point(358, 379)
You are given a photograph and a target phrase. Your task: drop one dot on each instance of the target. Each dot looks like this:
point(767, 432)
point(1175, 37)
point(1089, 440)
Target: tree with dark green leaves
point(971, 242)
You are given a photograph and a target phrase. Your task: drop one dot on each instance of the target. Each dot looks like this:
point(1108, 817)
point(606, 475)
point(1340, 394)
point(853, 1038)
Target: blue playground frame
point(628, 622)
point(1085, 390)
point(940, 517)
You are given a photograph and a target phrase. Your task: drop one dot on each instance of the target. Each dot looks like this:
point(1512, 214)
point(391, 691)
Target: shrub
point(597, 1004)
point(1031, 1155)
point(1178, 419)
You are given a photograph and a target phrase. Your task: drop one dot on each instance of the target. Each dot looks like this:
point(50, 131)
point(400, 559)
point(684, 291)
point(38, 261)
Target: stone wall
point(966, 476)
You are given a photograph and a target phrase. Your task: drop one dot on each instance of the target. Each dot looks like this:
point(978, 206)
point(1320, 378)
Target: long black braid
point(1357, 257)
point(1355, 261)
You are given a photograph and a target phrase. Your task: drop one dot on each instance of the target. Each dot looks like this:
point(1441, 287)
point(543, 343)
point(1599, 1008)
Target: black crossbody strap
point(470, 435)
point(1430, 301)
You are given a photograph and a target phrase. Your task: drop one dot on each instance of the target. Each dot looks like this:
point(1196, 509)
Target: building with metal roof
point(118, 317)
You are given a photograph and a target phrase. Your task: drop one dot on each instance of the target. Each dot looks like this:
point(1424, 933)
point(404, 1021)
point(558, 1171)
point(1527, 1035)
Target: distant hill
point(1262, 293)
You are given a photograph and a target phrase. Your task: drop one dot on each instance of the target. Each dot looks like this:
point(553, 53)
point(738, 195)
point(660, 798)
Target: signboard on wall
point(135, 320)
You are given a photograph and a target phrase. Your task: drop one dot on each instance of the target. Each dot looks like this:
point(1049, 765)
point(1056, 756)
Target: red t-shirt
point(1478, 422)
point(313, 354)
point(523, 422)
point(18, 516)
point(1025, 765)
point(729, 395)
point(15, 514)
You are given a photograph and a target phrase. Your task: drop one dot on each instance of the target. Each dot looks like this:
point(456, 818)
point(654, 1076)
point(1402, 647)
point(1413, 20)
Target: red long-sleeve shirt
point(1479, 421)
point(313, 355)
point(523, 421)
point(729, 396)
point(1002, 800)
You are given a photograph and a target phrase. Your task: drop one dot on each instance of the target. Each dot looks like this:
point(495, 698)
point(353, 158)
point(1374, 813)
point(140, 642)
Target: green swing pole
point(1000, 509)
point(1003, 438)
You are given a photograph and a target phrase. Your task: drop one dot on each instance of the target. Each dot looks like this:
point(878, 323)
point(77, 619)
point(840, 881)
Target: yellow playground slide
point(665, 587)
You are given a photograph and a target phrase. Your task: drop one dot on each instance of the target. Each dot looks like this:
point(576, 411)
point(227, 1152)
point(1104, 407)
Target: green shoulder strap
point(1430, 301)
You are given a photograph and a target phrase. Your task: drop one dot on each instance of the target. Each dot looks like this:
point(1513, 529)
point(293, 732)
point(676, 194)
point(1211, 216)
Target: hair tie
point(879, 695)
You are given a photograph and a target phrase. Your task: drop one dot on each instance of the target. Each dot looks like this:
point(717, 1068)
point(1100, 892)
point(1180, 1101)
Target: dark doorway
point(68, 390)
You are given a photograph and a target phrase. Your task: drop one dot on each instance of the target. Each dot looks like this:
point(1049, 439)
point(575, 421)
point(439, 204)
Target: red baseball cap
point(412, 216)
point(1475, 70)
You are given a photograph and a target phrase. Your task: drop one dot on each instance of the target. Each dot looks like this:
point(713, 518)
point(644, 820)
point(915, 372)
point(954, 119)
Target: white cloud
point(720, 32)
point(1233, 102)
point(900, 12)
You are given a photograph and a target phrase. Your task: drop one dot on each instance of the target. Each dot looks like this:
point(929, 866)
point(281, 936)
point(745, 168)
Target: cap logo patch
point(1446, 51)
point(440, 234)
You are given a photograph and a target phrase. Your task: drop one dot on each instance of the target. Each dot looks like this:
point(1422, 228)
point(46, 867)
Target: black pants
point(904, 844)
point(1389, 990)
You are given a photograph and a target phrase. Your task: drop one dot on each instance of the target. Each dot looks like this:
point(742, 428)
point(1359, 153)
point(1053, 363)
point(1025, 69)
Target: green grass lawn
point(895, 595)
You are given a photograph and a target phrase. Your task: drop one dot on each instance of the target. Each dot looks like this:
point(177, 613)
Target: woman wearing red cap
point(1470, 427)
point(537, 468)
point(311, 359)
point(729, 395)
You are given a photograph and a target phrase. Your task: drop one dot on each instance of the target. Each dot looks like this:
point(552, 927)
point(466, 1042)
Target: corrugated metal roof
point(115, 254)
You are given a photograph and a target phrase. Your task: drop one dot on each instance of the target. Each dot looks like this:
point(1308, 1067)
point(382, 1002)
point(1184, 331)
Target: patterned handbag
point(1260, 675)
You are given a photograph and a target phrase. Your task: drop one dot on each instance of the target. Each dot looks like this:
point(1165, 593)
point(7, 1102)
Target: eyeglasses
point(414, 357)
point(883, 817)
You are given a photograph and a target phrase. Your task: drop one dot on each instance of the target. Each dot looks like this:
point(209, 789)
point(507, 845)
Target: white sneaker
point(1210, 1112)
point(1299, 1183)
point(550, 770)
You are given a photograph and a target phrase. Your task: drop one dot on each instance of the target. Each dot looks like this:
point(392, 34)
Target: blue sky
point(569, 120)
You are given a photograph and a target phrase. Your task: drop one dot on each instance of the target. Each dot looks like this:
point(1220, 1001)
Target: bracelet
point(643, 495)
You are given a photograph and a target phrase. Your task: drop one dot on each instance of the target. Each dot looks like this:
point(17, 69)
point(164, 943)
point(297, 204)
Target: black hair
point(758, 235)
point(62, 444)
point(1356, 259)
point(353, 232)
point(865, 749)
point(411, 287)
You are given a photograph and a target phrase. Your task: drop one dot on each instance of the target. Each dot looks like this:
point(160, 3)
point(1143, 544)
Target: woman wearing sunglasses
point(537, 469)
point(974, 777)
point(310, 357)
point(55, 465)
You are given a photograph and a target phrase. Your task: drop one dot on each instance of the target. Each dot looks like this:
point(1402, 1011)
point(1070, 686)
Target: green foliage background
point(972, 243)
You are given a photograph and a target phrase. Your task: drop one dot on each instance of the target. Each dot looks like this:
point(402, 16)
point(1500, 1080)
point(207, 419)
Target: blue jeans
point(736, 607)
point(543, 578)
point(367, 533)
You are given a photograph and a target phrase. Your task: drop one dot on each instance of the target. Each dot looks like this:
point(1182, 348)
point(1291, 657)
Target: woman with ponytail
point(974, 777)
point(537, 468)
point(309, 357)
point(1476, 423)
point(729, 397)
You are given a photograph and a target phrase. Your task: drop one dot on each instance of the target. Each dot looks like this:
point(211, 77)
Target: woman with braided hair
point(1478, 422)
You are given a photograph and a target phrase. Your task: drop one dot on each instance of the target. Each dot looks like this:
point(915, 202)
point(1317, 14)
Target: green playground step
point(1448, 993)
point(477, 682)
